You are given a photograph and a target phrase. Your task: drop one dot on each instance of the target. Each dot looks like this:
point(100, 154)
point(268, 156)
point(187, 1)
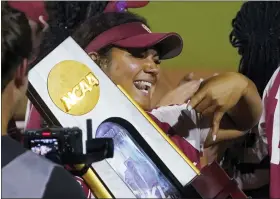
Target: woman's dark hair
point(16, 42)
point(256, 34)
point(65, 16)
point(95, 26)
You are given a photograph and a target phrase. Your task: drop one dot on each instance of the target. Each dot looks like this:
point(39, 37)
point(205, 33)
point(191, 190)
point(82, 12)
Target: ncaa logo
point(73, 87)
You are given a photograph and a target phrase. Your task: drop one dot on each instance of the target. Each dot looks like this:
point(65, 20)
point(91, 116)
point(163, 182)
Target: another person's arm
point(186, 88)
point(181, 94)
point(233, 102)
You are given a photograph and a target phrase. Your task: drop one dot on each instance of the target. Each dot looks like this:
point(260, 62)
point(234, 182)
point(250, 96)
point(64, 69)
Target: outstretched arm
point(232, 100)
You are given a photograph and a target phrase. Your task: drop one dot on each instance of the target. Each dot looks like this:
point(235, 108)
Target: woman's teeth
point(143, 86)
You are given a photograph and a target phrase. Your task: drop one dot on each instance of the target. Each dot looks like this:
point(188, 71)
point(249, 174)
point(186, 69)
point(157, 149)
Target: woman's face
point(137, 71)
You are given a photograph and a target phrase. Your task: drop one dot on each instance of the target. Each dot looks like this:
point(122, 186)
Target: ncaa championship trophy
point(68, 88)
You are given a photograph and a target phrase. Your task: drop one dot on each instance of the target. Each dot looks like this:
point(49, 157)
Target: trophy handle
point(94, 183)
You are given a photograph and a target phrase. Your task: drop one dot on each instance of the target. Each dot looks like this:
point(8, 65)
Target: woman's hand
point(219, 94)
point(187, 87)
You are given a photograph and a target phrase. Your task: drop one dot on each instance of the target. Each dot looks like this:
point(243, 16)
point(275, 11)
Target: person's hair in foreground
point(50, 180)
point(16, 43)
point(256, 35)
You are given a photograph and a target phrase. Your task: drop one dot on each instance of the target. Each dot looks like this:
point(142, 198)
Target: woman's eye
point(157, 62)
point(138, 55)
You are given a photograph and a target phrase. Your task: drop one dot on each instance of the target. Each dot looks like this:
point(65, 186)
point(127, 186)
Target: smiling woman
point(140, 77)
point(128, 52)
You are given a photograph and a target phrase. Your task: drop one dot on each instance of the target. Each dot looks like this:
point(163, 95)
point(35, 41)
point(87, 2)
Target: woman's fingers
point(204, 104)
point(209, 110)
point(218, 115)
point(196, 99)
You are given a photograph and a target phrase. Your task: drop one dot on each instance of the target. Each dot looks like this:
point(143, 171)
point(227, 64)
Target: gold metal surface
point(73, 87)
point(95, 185)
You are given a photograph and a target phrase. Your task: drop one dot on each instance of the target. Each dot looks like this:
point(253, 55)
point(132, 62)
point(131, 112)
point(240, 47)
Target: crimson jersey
point(185, 128)
point(270, 125)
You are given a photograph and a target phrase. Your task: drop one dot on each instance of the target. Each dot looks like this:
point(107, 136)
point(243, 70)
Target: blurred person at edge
point(24, 174)
point(256, 35)
point(37, 19)
point(247, 158)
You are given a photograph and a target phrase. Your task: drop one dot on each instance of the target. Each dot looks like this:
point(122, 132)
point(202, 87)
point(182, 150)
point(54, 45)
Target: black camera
point(58, 140)
point(65, 145)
